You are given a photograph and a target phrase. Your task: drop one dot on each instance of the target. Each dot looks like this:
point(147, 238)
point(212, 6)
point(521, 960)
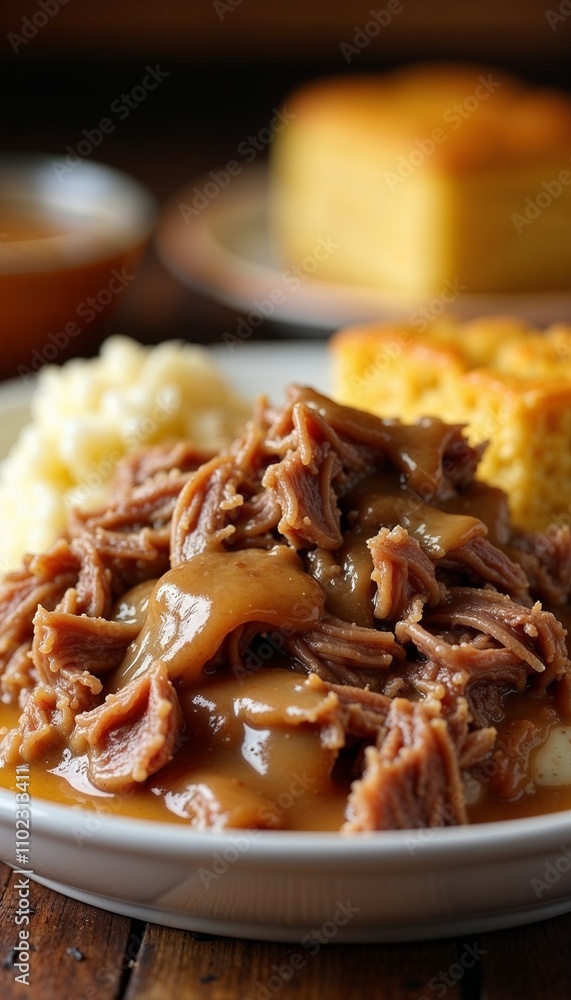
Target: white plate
point(392, 886)
point(225, 252)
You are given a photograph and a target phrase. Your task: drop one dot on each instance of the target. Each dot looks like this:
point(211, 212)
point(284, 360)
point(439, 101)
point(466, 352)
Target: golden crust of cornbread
point(428, 174)
point(508, 382)
point(397, 108)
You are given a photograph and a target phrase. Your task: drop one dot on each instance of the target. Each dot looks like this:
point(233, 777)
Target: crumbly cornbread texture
point(510, 383)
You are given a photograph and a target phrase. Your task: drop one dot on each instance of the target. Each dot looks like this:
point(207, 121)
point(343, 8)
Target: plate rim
point(511, 837)
point(192, 252)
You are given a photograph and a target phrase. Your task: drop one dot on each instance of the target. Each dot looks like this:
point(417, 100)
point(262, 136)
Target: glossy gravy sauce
point(194, 605)
point(242, 765)
point(346, 575)
point(247, 758)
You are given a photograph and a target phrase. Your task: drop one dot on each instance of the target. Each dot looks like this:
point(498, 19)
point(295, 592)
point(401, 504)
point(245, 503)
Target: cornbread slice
point(425, 175)
point(510, 383)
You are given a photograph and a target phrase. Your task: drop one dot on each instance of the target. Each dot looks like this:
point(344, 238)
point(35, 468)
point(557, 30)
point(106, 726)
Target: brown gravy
point(186, 619)
point(240, 766)
point(240, 762)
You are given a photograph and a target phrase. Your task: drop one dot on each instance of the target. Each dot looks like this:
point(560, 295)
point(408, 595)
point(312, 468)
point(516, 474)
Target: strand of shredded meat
point(423, 627)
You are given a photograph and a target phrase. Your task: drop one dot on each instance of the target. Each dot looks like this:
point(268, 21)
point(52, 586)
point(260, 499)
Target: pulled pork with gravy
point(328, 625)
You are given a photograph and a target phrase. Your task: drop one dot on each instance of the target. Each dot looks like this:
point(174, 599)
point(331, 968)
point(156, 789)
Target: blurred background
point(222, 68)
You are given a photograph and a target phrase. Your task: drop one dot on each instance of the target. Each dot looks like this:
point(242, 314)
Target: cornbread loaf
point(426, 175)
point(509, 383)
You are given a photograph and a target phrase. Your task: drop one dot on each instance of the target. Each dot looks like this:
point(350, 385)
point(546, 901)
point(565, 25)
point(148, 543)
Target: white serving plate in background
point(225, 252)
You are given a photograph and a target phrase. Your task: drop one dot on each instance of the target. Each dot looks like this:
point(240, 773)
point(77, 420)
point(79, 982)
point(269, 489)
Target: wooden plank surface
point(77, 952)
point(529, 963)
point(198, 966)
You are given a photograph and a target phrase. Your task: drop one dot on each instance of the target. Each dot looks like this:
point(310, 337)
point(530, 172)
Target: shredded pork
point(416, 621)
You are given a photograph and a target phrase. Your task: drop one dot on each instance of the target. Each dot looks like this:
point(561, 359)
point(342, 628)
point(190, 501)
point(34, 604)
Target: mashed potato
point(87, 414)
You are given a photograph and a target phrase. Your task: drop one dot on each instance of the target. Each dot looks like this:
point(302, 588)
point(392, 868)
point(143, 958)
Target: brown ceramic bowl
point(69, 243)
